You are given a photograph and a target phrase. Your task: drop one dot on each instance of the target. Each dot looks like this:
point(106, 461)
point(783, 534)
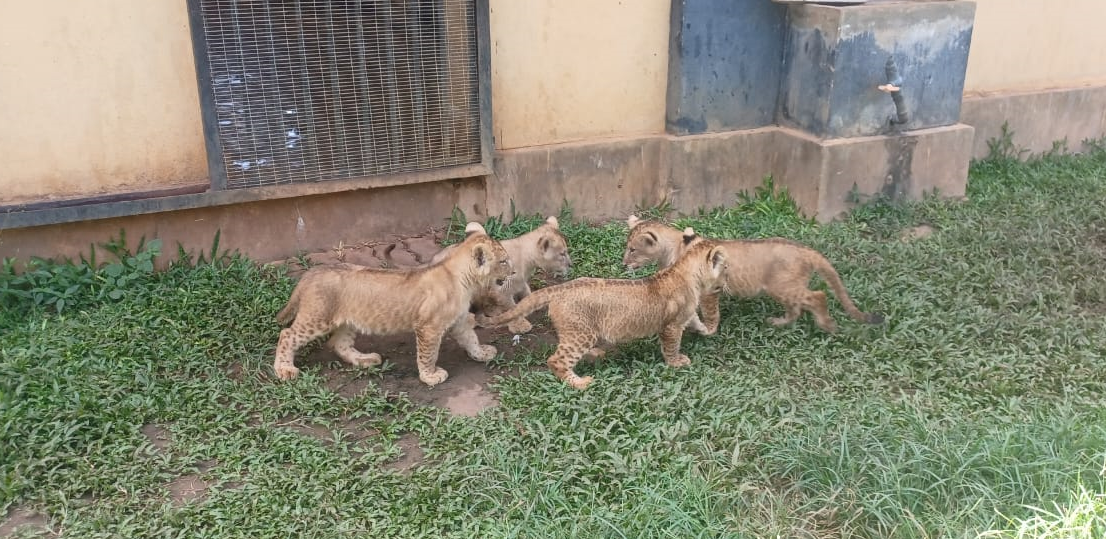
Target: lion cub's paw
point(696, 325)
point(580, 383)
point(367, 360)
point(487, 353)
point(680, 361)
point(519, 325)
point(434, 378)
point(779, 321)
point(286, 372)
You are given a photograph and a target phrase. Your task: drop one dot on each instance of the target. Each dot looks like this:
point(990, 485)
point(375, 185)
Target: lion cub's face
point(493, 261)
point(490, 258)
point(644, 244)
point(553, 247)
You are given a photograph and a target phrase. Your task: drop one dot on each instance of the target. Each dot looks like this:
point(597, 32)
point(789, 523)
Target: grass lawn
point(147, 407)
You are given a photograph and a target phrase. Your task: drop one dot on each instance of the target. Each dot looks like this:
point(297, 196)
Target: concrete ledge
point(608, 179)
point(1037, 118)
point(601, 180)
point(709, 170)
point(265, 230)
point(905, 167)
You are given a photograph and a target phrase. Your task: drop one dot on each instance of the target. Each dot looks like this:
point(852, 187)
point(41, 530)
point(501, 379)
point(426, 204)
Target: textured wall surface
point(836, 57)
point(724, 65)
point(97, 97)
point(569, 70)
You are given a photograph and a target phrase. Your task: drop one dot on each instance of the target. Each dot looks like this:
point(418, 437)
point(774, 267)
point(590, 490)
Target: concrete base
point(601, 180)
point(608, 179)
point(1037, 119)
point(266, 230)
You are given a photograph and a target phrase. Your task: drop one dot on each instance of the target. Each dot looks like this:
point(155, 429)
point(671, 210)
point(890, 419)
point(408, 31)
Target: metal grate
point(311, 90)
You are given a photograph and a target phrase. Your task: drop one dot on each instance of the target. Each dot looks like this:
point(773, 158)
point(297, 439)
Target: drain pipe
point(894, 87)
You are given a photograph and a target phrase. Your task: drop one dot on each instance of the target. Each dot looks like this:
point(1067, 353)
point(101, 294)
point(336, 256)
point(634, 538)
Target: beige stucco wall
point(100, 96)
point(97, 96)
point(565, 70)
point(1036, 44)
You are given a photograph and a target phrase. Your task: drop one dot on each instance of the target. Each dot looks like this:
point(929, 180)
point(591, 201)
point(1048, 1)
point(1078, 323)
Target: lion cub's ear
point(689, 235)
point(552, 221)
point(717, 260)
point(474, 228)
point(480, 255)
point(632, 221)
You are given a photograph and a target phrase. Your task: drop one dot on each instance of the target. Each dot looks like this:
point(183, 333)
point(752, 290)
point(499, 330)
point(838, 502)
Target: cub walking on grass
point(775, 266)
point(344, 299)
point(588, 311)
point(543, 248)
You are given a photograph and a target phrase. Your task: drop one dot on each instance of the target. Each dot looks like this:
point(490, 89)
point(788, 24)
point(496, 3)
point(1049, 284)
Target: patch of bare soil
point(406, 251)
point(315, 430)
point(465, 392)
point(191, 487)
point(919, 232)
point(412, 454)
point(20, 519)
point(158, 436)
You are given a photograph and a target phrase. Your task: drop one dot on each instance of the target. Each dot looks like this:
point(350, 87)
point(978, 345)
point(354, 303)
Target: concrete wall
point(1035, 44)
point(100, 97)
point(1040, 67)
point(97, 97)
point(568, 70)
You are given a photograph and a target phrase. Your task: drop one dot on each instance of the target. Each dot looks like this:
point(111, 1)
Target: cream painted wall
point(1035, 44)
point(565, 70)
point(97, 96)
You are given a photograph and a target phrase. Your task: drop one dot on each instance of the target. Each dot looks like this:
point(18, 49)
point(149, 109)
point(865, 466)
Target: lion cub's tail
point(829, 274)
point(537, 300)
point(288, 313)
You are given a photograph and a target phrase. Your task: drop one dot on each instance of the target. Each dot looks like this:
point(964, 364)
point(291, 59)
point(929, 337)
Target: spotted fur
point(589, 311)
point(544, 248)
point(777, 267)
point(344, 299)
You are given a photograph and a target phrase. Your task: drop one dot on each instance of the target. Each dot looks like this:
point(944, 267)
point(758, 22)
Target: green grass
point(977, 409)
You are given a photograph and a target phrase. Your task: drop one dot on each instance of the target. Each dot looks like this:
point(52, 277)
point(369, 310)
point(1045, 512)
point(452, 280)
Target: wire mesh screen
point(310, 90)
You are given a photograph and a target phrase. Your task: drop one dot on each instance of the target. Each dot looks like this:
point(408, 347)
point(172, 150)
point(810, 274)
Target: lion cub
point(543, 248)
point(778, 267)
point(344, 299)
point(588, 311)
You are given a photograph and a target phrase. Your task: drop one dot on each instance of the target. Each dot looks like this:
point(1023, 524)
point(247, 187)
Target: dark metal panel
point(213, 146)
point(484, 70)
point(724, 65)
